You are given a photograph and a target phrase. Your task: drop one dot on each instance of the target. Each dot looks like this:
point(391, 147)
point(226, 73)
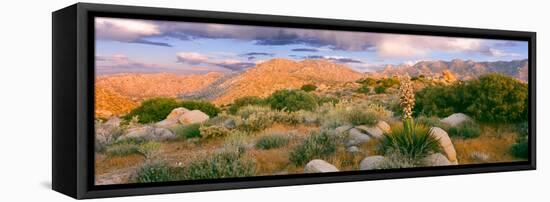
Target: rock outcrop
point(436, 159)
point(194, 116)
point(456, 119)
point(148, 133)
point(445, 143)
point(319, 166)
point(371, 163)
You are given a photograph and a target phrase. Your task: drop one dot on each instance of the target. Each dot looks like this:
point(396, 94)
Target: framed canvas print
point(155, 100)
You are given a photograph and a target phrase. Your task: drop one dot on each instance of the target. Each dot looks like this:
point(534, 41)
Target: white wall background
point(25, 103)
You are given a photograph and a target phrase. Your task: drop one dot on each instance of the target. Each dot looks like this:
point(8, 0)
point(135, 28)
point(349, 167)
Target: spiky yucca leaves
point(414, 142)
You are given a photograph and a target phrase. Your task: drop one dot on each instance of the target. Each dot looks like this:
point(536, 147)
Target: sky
point(147, 46)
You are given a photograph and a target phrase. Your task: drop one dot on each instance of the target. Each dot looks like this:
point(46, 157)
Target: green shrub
point(208, 132)
point(149, 149)
point(122, 149)
point(155, 172)
point(520, 149)
point(327, 99)
point(367, 81)
point(245, 101)
point(223, 164)
point(468, 129)
point(206, 107)
point(361, 117)
point(156, 109)
point(317, 145)
point(430, 121)
point(188, 131)
point(413, 145)
point(380, 89)
point(388, 82)
point(365, 89)
point(493, 98)
point(308, 87)
point(272, 141)
point(152, 110)
point(255, 118)
point(292, 100)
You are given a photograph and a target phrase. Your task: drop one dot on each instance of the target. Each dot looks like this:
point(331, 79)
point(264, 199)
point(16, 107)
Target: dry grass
point(106, 164)
point(493, 142)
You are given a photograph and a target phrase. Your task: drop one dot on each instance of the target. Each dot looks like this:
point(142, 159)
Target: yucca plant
point(411, 140)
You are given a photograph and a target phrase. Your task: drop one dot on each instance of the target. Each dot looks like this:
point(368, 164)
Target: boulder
point(445, 143)
point(194, 116)
point(373, 131)
point(107, 131)
point(319, 166)
point(436, 159)
point(148, 133)
point(342, 129)
point(230, 123)
point(456, 119)
point(172, 119)
point(353, 149)
point(355, 137)
point(385, 127)
point(371, 163)
point(176, 113)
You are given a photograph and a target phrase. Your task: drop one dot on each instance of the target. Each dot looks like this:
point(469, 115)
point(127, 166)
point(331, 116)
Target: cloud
point(234, 65)
point(500, 53)
point(337, 59)
point(119, 63)
point(257, 53)
point(127, 30)
point(191, 58)
point(305, 50)
point(385, 45)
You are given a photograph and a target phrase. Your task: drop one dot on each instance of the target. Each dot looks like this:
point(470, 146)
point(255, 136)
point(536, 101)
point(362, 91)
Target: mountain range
point(463, 69)
point(129, 89)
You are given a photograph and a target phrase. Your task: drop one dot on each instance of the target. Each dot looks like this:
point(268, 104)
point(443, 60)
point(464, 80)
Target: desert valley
point(289, 116)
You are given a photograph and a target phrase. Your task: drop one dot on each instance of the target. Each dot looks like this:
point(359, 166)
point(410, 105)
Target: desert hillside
point(143, 86)
point(276, 74)
point(109, 103)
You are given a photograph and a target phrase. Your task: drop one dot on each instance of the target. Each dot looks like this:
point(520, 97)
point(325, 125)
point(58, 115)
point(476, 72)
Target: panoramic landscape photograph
point(183, 101)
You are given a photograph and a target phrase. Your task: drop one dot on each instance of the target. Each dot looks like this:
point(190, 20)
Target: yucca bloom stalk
point(406, 96)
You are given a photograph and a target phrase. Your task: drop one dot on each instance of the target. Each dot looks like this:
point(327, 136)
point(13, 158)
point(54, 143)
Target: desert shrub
point(123, 149)
point(308, 87)
point(413, 144)
point(292, 100)
point(272, 141)
point(520, 149)
point(367, 81)
point(317, 145)
point(245, 101)
point(388, 82)
point(157, 171)
point(493, 98)
point(152, 110)
point(206, 107)
point(188, 131)
point(255, 118)
point(522, 128)
point(394, 160)
point(468, 129)
point(156, 109)
point(208, 132)
point(361, 117)
point(431, 121)
point(327, 99)
point(222, 164)
point(365, 89)
point(292, 118)
point(380, 89)
point(149, 149)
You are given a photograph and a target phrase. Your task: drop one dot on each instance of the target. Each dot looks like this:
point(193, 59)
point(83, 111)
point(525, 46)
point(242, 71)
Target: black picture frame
point(73, 100)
